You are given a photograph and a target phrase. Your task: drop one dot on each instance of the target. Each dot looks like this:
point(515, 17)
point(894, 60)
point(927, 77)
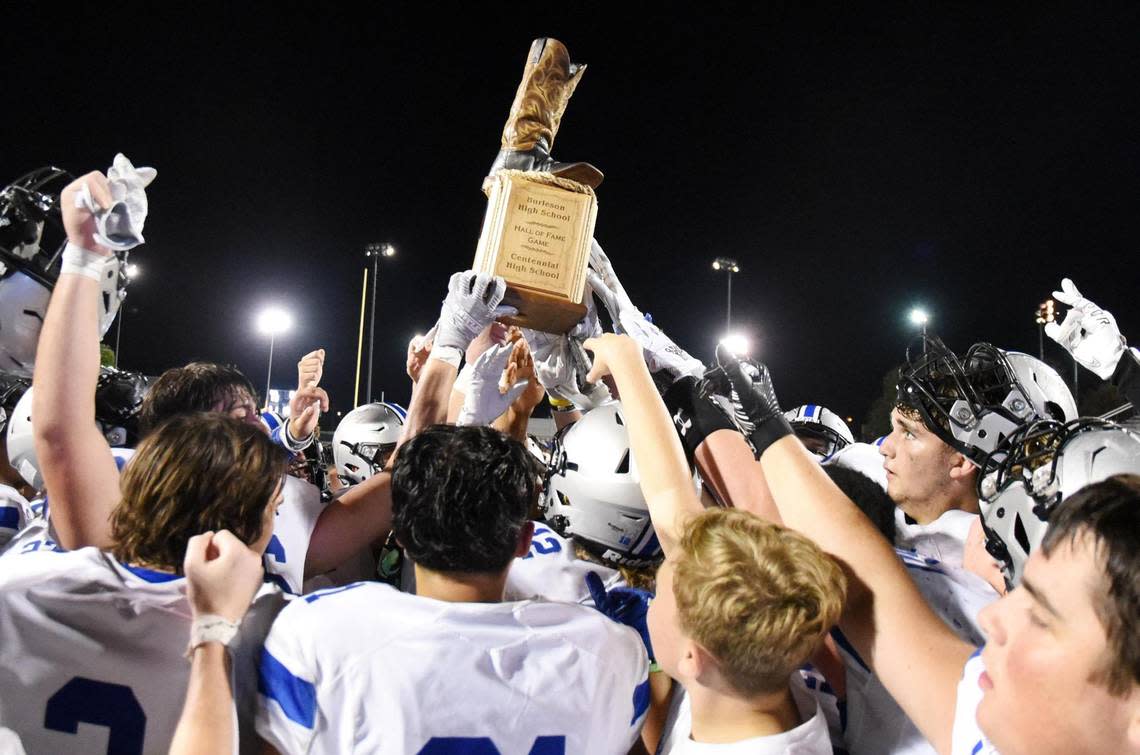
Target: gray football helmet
point(823, 431)
point(593, 491)
point(1047, 462)
point(365, 438)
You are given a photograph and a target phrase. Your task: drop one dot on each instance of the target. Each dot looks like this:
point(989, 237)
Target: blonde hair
point(755, 595)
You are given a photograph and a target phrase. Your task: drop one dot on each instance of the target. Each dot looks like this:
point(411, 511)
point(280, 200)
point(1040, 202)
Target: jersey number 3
point(484, 746)
point(101, 703)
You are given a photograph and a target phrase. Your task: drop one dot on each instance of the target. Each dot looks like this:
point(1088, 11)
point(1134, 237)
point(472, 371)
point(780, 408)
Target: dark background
point(855, 162)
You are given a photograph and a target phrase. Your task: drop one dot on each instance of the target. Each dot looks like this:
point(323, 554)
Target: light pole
point(271, 321)
point(130, 272)
point(1045, 314)
point(375, 251)
point(729, 266)
point(919, 316)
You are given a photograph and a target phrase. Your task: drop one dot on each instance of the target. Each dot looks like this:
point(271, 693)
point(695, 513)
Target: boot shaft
point(548, 81)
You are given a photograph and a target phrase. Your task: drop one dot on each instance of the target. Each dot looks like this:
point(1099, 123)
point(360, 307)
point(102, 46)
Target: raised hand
point(222, 575)
point(487, 397)
point(311, 368)
point(1088, 332)
point(752, 384)
point(473, 301)
point(78, 203)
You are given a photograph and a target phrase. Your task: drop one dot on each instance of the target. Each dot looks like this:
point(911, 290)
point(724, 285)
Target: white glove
point(605, 282)
point(473, 301)
point(661, 353)
point(1088, 332)
point(659, 350)
point(120, 226)
point(485, 397)
point(562, 371)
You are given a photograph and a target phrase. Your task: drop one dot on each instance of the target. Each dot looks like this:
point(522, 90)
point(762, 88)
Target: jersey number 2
point(87, 701)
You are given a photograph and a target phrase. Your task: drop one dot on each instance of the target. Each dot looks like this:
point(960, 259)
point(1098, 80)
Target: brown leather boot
point(547, 83)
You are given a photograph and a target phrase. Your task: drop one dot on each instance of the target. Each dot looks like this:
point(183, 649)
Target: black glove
point(695, 415)
point(752, 384)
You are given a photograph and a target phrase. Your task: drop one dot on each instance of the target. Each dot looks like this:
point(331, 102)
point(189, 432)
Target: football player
point(94, 639)
point(447, 668)
point(310, 538)
point(1059, 672)
point(740, 604)
point(950, 423)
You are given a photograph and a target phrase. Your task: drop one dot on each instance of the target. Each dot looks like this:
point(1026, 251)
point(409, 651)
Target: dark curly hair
point(194, 473)
point(193, 388)
point(461, 497)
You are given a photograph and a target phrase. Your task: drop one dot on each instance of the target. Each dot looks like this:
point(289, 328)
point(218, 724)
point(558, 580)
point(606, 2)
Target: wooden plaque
point(536, 235)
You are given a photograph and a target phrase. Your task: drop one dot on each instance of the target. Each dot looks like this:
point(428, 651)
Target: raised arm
point(473, 301)
point(222, 576)
point(918, 658)
point(665, 479)
point(80, 475)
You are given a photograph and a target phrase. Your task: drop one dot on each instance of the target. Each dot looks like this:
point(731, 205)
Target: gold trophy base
point(536, 235)
point(548, 313)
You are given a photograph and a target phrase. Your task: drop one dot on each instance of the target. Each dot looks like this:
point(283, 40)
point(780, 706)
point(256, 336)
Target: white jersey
point(943, 539)
point(366, 668)
point(296, 518)
point(874, 721)
point(863, 458)
point(967, 737)
point(553, 571)
point(284, 556)
point(92, 658)
point(809, 738)
point(15, 510)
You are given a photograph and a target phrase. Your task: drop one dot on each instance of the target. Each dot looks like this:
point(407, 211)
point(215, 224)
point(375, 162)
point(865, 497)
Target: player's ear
point(961, 468)
point(695, 663)
point(1134, 718)
point(526, 534)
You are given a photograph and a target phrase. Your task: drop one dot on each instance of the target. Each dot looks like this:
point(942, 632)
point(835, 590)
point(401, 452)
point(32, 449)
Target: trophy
point(540, 212)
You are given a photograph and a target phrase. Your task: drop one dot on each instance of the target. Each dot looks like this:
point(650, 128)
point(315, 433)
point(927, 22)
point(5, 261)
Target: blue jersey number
point(101, 703)
point(544, 546)
point(484, 746)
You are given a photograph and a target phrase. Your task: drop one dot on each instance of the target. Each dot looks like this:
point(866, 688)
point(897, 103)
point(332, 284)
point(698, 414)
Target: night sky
point(855, 163)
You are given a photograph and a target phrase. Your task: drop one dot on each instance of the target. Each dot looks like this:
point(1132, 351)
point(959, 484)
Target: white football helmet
point(365, 438)
point(21, 446)
point(1047, 392)
point(118, 398)
point(823, 431)
point(1047, 462)
point(31, 243)
point(593, 491)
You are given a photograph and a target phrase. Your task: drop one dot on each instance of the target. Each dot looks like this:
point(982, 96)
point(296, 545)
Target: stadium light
point(736, 343)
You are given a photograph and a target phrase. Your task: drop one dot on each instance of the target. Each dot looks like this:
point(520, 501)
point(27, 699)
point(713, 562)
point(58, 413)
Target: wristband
point(79, 261)
point(694, 414)
point(768, 432)
point(559, 404)
point(211, 628)
point(449, 354)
